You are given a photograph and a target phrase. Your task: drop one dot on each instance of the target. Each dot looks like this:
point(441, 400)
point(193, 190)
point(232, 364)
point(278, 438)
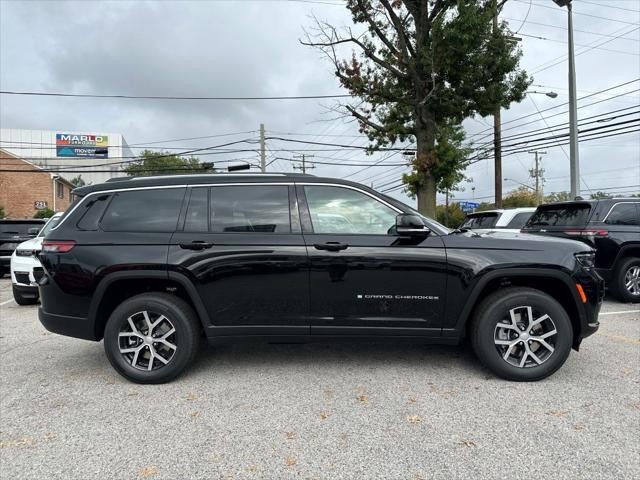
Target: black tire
point(618, 287)
point(496, 308)
point(22, 299)
point(186, 337)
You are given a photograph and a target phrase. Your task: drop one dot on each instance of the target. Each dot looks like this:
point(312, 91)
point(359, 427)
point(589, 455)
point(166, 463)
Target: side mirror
point(33, 231)
point(411, 225)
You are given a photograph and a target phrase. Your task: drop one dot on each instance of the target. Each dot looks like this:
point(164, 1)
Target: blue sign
point(468, 206)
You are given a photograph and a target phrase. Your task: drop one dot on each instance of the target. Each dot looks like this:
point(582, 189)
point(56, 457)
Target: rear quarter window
point(563, 216)
point(153, 210)
point(519, 220)
point(93, 209)
point(487, 220)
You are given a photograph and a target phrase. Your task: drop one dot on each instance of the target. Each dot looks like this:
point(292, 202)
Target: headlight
point(25, 253)
point(586, 259)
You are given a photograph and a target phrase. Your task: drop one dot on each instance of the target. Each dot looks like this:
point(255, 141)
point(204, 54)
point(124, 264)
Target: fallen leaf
point(412, 400)
point(635, 406)
point(17, 443)
point(578, 428)
point(290, 435)
point(148, 471)
point(195, 414)
point(50, 436)
point(558, 413)
point(290, 461)
point(251, 468)
point(414, 418)
point(468, 443)
point(362, 398)
point(324, 415)
point(191, 397)
point(132, 393)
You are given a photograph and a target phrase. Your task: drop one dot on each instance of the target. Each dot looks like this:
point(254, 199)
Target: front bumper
point(594, 288)
point(25, 271)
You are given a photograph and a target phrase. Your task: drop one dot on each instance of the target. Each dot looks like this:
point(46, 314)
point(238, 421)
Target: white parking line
point(621, 311)
point(4, 303)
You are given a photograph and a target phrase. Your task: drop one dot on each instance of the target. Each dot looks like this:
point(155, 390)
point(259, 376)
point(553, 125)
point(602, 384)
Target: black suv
point(12, 233)
point(151, 264)
point(611, 226)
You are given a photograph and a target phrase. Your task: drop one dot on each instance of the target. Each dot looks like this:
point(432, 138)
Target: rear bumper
point(65, 325)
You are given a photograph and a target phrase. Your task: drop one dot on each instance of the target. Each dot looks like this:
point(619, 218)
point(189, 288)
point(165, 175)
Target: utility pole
point(304, 166)
point(574, 155)
point(537, 174)
point(497, 133)
point(263, 153)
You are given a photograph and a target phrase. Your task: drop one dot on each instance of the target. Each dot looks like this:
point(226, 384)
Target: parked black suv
point(150, 264)
point(12, 233)
point(611, 226)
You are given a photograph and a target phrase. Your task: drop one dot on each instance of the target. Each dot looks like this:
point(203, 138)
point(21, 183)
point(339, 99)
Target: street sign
point(467, 207)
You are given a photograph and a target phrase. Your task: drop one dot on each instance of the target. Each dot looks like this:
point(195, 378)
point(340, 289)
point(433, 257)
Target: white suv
point(26, 269)
point(510, 220)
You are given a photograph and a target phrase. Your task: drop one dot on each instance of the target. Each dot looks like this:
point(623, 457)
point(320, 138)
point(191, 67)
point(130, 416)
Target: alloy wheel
point(147, 340)
point(632, 280)
point(527, 338)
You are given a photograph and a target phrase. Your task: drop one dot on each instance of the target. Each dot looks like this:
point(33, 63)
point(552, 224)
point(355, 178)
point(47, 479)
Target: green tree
point(420, 65)
point(166, 163)
point(78, 182)
point(453, 218)
point(452, 160)
point(599, 195)
point(521, 197)
point(558, 197)
point(44, 213)
point(2, 212)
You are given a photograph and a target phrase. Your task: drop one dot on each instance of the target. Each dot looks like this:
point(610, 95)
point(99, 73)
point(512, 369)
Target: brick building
point(28, 189)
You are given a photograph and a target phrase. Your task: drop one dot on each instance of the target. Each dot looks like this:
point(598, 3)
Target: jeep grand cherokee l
point(152, 264)
point(611, 226)
point(12, 233)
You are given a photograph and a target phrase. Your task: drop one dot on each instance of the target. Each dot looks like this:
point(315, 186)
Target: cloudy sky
point(250, 48)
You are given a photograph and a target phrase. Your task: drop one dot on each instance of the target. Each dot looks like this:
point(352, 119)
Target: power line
point(581, 13)
point(162, 97)
point(607, 5)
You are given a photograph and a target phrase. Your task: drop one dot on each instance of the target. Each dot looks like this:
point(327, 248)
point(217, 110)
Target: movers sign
point(90, 146)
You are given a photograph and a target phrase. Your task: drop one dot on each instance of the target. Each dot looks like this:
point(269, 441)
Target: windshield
point(485, 220)
point(561, 215)
point(18, 228)
point(53, 221)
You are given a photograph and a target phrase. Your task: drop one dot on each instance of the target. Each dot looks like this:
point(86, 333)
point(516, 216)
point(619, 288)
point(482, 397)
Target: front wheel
point(521, 334)
point(152, 338)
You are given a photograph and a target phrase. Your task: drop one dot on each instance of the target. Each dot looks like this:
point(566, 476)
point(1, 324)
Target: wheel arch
point(557, 284)
point(117, 287)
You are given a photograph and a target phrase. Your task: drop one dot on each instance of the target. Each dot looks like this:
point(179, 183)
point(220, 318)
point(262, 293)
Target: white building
point(97, 155)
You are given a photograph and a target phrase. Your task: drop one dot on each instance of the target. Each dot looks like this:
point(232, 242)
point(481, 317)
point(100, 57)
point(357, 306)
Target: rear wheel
point(625, 284)
point(22, 299)
point(521, 334)
point(152, 338)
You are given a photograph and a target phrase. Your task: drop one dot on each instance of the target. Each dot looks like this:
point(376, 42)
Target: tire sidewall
point(622, 293)
point(183, 339)
point(498, 310)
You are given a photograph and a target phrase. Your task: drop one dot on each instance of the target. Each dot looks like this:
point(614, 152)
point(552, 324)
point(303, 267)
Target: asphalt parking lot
point(316, 411)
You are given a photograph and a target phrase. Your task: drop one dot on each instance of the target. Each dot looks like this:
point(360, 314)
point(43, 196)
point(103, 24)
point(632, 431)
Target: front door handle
point(196, 245)
point(331, 246)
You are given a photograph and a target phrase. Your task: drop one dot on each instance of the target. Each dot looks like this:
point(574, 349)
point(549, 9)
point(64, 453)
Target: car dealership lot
point(316, 411)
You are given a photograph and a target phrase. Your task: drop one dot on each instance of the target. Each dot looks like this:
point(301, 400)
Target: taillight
point(57, 246)
point(586, 232)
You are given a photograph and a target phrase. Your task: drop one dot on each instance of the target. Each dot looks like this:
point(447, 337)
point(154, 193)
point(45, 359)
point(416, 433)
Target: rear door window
point(486, 220)
point(624, 214)
point(519, 220)
point(153, 210)
point(561, 216)
point(250, 209)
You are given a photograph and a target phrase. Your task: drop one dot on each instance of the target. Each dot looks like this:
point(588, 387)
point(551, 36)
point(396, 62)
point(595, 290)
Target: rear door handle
point(196, 245)
point(331, 246)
